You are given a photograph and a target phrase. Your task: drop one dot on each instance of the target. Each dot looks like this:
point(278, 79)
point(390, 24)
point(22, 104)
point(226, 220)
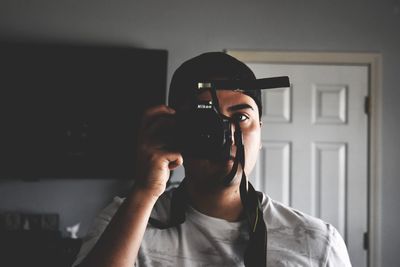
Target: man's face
point(243, 108)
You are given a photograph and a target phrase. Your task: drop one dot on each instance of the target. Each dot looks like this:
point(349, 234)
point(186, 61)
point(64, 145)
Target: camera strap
point(256, 251)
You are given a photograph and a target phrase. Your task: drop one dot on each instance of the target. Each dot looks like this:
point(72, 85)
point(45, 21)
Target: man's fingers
point(173, 159)
point(175, 164)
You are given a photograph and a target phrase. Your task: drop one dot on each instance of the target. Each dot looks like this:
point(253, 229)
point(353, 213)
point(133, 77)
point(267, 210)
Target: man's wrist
point(155, 190)
point(148, 195)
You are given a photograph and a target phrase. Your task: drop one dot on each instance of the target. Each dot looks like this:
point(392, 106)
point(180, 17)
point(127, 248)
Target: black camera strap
point(256, 251)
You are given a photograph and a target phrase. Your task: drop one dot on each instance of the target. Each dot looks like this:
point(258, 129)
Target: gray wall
point(187, 28)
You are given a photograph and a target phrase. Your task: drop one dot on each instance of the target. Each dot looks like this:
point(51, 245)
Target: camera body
point(201, 133)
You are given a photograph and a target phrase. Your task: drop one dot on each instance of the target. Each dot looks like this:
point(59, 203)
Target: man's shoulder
point(278, 214)
point(295, 233)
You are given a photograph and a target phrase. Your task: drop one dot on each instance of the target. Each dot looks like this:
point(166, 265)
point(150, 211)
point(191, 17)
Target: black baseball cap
point(210, 65)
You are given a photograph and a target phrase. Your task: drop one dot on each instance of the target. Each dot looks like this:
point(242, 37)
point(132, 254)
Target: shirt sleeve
point(337, 252)
point(99, 225)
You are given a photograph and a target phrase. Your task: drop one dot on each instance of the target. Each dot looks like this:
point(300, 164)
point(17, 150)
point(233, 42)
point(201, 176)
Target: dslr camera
point(201, 132)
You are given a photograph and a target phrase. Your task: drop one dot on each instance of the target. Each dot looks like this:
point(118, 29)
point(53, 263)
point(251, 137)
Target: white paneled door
point(314, 154)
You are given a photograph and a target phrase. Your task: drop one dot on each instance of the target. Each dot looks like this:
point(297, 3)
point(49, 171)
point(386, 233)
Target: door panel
point(274, 174)
point(329, 180)
point(314, 136)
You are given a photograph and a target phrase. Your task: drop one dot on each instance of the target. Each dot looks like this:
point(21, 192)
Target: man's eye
point(240, 117)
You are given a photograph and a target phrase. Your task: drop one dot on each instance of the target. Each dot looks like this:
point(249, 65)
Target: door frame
point(373, 104)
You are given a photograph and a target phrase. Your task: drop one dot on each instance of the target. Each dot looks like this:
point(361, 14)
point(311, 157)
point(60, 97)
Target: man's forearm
point(119, 244)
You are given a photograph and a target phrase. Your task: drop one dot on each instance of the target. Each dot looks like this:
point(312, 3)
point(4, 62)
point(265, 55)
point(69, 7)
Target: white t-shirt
point(294, 238)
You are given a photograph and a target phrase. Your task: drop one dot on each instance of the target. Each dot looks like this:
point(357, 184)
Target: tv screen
point(74, 111)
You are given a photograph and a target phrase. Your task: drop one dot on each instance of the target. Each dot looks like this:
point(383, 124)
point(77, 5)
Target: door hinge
point(366, 241)
point(367, 104)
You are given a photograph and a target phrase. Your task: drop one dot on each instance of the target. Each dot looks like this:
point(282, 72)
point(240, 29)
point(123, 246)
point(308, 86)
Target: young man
point(213, 230)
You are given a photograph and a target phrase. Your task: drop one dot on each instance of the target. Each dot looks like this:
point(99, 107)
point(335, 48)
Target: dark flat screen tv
point(69, 111)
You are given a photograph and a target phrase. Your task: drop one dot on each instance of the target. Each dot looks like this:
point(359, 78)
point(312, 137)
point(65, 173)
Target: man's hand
point(154, 160)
